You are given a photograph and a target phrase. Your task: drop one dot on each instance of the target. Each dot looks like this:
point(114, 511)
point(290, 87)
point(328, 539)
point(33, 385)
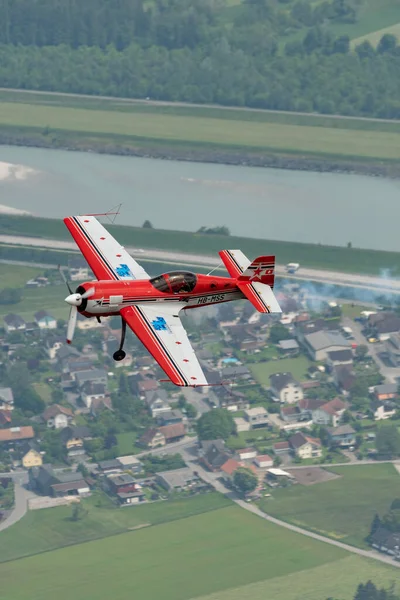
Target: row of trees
point(175, 50)
point(314, 82)
point(168, 23)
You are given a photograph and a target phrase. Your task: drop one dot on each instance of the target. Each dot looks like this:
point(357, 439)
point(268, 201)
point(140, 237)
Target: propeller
point(74, 300)
point(64, 278)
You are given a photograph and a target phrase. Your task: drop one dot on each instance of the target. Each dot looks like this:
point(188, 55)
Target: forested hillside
point(275, 54)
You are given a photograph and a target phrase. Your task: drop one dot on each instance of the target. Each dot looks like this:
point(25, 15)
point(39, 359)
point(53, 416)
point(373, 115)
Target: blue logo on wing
point(124, 271)
point(160, 324)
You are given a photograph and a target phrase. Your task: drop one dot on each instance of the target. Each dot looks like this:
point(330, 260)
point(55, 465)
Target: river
point(325, 208)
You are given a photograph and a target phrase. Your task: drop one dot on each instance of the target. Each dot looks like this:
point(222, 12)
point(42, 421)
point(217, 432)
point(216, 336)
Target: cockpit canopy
point(175, 282)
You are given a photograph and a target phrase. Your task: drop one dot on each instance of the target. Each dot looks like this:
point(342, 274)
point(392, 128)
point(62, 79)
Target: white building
point(285, 388)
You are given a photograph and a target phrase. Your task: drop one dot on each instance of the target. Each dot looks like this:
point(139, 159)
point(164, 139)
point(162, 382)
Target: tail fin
point(261, 270)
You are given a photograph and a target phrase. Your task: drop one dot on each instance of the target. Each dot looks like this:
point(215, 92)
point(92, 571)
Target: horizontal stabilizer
point(235, 262)
point(260, 295)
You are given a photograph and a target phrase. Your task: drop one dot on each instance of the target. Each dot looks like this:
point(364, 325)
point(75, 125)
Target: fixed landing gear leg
point(120, 354)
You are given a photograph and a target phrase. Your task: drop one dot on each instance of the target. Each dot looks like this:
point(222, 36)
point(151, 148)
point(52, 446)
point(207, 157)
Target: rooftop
point(177, 477)
point(321, 340)
point(258, 411)
point(280, 380)
point(17, 433)
point(288, 345)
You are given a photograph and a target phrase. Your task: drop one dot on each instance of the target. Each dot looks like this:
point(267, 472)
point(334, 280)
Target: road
point(389, 373)
point(353, 280)
point(161, 103)
point(21, 506)
point(212, 479)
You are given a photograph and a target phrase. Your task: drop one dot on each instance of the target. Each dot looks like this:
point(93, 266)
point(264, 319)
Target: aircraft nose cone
point(73, 299)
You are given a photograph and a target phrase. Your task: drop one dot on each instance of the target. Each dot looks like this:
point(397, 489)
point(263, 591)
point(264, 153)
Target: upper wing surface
point(160, 329)
point(105, 256)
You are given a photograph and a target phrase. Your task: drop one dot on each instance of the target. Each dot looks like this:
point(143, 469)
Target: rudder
point(262, 270)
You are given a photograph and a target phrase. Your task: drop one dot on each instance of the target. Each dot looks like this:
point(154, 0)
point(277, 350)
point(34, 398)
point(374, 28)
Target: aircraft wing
point(160, 329)
point(105, 256)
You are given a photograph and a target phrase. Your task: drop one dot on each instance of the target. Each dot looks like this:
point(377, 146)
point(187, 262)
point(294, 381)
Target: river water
point(253, 202)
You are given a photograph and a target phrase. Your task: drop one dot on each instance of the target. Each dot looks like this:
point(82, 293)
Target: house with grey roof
point(289, 347)
point(178, 479)
point(57, 483)
point(14, 322)
point(321, 343)
point(91, 376)
point(157, 402)
point(6, 399)
point(343, 436)
point(284, 388)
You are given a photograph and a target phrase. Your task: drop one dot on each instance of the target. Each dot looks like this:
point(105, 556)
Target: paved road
point(323, 276)
point(161, 103)
point(21, 506)
point(389, 373)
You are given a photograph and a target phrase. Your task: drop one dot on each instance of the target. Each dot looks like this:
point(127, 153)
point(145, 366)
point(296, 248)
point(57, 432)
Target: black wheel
point(119, 355)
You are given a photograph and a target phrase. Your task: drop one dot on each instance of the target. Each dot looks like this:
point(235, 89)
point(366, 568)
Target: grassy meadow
point(48, 529)
point(206, 131)
point(342, 508)
point(221, 552)
point(297, 366)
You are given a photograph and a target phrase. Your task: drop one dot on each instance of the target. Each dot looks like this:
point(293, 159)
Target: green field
point(126, 443)
point(206, 131)
point(336, 258)
point(222, 550)
point(296, 366)
point(374, 15)
point(342, 508)
point(374, 37)
point(16, 276)
point(33, 300)
point(48, 529)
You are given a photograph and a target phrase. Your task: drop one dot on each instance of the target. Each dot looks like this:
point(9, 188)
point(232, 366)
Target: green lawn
point(221, 550)
point(48, 529)
point(296, 366)
point(44, 391)
point(126, 443)
point(33, 300)
point(353, 311)
point(261, 437)
point(206, 131)
point(342, 508)
point(12, 276)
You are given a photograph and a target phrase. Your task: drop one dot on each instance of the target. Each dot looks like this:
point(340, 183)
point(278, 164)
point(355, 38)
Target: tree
point(147, 225)
point(278, 333)
point(387, 43)
point(359, 388)
point(388, 441)
point(191, 411)
point(361, 352)
point(83, 470)
point(216, 424)
point(78, 512)
point(245, 481)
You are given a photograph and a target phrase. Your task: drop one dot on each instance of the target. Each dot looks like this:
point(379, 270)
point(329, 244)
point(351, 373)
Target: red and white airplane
point(151, 306)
